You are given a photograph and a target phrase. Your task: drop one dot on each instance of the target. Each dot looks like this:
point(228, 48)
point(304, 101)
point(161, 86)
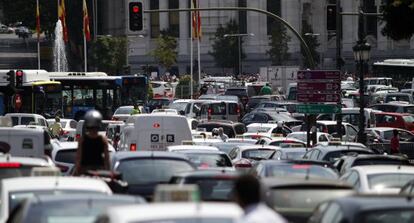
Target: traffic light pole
point(305, 46)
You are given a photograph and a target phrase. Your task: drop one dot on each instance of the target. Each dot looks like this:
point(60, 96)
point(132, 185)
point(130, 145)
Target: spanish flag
point(86, 30)
point(62, 17)
point(196, 20)
point(37, 20)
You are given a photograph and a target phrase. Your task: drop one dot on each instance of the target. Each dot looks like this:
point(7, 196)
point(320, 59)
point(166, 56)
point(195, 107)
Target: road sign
point(318, 86)
point(318, 109)
point(319, 74)
point(317, 98)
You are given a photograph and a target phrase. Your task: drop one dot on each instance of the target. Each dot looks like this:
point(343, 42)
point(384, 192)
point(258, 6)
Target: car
point(395, 120)
point(244, 156)
point(384, 135)
point(221, 110)
point(392, 107)
point(180, 105)
point(165, 111)
point(255, 100)
point(68, 127)
point(351, 116)
point(145, 169)
point(282, 142)
point(231, 129)
point(296, 198)
point(16, 190)
point(179, 148)
point(365, 209)
point(379, 179)
point(287, 105)
point(124, 112)
point(26, 119)
point(161, 89)
point(156, 103)
point(332, 152)
point(230, 144)
point(295, 153)
point(174, 212)
point(288, 168)
point(302, 136)
point(214, 185)
point(17, 166)
point(102, 128)
point(266, 117)
point(67, 207)
point(403, 98)
point(264, 129)
point(408, 189)
point(207, 159)
point(345, 163)
point(349, 132)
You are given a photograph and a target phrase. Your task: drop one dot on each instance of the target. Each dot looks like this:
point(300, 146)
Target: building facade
point(320, 14)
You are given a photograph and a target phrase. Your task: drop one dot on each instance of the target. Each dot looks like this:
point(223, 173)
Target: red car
point(395, 120)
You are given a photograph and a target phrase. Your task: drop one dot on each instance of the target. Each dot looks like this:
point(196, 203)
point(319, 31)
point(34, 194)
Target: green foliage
point(278, 51)
point(226, 49)
point(183, 87)
point(165, 52)
point(312, 42)
point(398, 16)
point(107, 54)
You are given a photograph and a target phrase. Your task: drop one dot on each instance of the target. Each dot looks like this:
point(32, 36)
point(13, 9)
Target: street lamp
point(361, 56)
point(239, 45)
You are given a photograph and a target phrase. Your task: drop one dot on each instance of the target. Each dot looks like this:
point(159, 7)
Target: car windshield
point(405, 215)
point(190, 220)
point(236, 92)
point(335, 155)
point(179, 106)
point(258, 129)
point(389, 180)
point(257, 154)
point(408, 118)
point(81, 211)
point(16, 197)
point(291, 155)
point(18, 171)
point(301, 171)
point(214, 189)
point(209, 160)
point(398, 98)
point(143, 171)
point(304, 199)
point(408, 109)
point(123, 111)
point(66, 156)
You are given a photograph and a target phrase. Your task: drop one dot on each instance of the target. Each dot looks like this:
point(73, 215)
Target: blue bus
point(134, 89)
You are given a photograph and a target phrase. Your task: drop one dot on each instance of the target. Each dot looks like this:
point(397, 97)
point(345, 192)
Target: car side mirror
point(181, 112)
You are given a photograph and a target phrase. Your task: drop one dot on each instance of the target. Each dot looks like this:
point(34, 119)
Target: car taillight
point(243, 164)
point(10, 165)
point(62, 168)
point(115, 119)
point(301, 166)
point(238, 109)
point(133, 147)
point(77, 137)
point(209, 113)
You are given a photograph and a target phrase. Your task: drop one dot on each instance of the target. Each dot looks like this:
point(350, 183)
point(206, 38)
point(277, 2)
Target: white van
point(154, 132)
point(29, 142)
point(26, 119)
point(221, 110)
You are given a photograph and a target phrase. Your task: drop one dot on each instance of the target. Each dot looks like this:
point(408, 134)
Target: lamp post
point(239, 45)
point(361, 56)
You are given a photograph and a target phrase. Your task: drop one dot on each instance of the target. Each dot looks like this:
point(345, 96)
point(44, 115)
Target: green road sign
point(318, 109)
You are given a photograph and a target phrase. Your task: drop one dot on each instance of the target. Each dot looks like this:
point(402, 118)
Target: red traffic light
point(19, 73)
point(135, 9)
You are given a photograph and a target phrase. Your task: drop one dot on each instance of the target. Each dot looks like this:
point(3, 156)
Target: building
point(320, 14)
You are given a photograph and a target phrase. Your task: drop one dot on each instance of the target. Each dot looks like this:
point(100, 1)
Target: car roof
point(378, 169)
point(148, 154)
point(192, 147)
point(201, 151)
point(332, 148)
point(31, 161)
point(209, 173)
point(394, 113)
point(24, 115)
point(353, 204)
point(269, 125)
point(67, 145)
point(55, 182)
point(246, 147)
point(272, 182)
point(62, 198)
point(149, 212)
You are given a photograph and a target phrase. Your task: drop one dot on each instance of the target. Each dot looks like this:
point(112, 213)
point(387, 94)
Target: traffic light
point(331, 17)
point(19, 78)
point(135, 16)
point(11, 79)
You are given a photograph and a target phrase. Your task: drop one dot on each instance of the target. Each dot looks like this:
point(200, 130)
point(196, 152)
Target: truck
point(279, 77)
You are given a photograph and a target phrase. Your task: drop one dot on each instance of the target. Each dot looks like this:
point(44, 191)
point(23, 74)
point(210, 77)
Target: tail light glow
point(133, 147)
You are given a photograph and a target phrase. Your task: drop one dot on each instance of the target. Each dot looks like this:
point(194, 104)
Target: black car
point(231, 129)
point(288, 168)
point(204, 158)
point(158, 103)
point(332, 153)
point(296, 198)
point(214, 185)
point(365, 209)
point(345, 163)
point(145, 169)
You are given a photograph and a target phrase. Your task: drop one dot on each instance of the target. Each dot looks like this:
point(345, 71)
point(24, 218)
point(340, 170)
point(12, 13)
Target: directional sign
point(318, 86)
point(316, 98)
point(318, 109)
point(319, 74)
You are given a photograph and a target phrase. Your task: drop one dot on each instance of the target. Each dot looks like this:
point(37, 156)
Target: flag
point(86, 30)
point(37, 20)
point(62, 17)
point(196, 20)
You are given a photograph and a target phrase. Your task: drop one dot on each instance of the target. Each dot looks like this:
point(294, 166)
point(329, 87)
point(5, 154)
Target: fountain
point(60, 62)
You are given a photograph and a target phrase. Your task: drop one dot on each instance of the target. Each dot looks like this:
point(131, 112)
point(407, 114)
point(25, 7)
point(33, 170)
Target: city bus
point(400, 70)
point(134, 89)
point(91, 90)
point(37, 93)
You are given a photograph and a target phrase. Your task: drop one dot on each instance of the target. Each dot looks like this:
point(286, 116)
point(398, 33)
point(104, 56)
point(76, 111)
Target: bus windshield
point(134, 89)
point(47, 99)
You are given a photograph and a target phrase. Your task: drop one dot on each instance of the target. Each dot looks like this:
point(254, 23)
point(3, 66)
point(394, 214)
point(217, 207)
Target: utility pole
point(339, 60)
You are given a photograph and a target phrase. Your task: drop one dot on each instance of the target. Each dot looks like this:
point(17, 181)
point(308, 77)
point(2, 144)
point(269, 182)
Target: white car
point(175, 212)
point(15, 190)
point(26, 119)
point(243, 156)
point(260, 129)
point(102, 130)
point(379, 179)
point(165, 111)
point(179, 148)
point(68, 127)
point(302, 136)
point(124, 112)
point(162, 89)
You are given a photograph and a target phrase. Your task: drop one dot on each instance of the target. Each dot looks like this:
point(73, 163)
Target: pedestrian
point(266, 90)
point(56, 128)
point(247, 193)
point(135, 110)
point(395, 142)
point(92, 153)
point(222, 135)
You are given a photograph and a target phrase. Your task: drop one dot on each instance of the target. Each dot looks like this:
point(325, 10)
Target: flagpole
point(38, 34)
point(84, 52)
point(199, 63)
point(191, 61)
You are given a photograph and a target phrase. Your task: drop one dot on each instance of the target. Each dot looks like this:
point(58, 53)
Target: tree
point(108, 54)
point(165, 52)
point(398, 16)
point(312, 42)
point(226, 49)
point(279, 39)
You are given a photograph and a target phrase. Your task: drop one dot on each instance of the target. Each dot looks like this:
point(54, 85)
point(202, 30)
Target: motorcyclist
point(135, 110)
point(92, 153)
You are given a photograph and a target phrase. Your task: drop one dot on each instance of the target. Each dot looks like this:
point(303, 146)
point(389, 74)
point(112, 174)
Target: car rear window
point(212, 189)
point(299, 170)
point(218, 108)
point(66, 156)
point(237, 92)
point(143, 171)
point(408, 109)
point(335, 155)
point(365, 162)
point(123, 111)
point(257, 154)
point(26, 120)
point(209, 160)
point(18, 171)
point(405, 215)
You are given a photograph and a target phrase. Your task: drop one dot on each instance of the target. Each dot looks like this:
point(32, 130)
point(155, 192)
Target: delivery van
point(154, 132)
point(221, 110)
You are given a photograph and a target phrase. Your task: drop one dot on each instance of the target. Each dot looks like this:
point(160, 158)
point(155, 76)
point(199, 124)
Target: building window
point(242, 17)
point(273, 6)
point(174, 18)
point(154, 19)
point(371, 22)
